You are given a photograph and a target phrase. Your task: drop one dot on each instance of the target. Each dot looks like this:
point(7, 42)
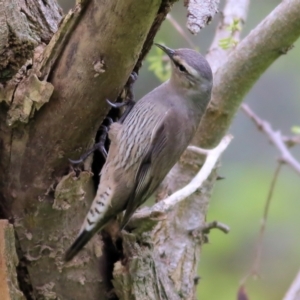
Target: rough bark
point(9, 287)
point(88, 59)
point(48, 203)
point(24, 25)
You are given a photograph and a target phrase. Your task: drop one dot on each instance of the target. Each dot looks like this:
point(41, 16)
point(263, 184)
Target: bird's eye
point(182, 68)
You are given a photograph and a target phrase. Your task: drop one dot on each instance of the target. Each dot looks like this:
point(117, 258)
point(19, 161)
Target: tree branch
point(232, 80)
point(252, 56)
point(212, 157)
point(294, 291)
point(275, 138)
point(235, 11)
point(254, 271)
point(165, 205)
point(180, 30)
point(291, 141)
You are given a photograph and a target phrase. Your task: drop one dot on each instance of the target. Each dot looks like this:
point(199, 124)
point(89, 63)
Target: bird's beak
point(170, 52)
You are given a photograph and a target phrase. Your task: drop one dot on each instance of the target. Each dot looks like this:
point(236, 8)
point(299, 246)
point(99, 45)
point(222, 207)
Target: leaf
point(234, 26)
point(296, 129)
point(159, 65)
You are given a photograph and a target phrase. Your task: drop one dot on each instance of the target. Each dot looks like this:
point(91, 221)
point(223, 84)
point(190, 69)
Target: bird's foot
point(117, 104)
point(100, 146)
point(129, 100)
point(129, 105)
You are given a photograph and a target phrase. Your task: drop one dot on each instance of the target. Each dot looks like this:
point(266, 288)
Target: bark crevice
point(34, 154)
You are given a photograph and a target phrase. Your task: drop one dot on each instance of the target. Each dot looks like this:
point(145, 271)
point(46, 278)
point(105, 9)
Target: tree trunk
point(52, 108)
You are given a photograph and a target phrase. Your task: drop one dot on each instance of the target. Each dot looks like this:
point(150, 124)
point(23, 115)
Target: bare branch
point(200, 13)
point(199, 150)
point(204, 230)
point(275, 138)
point(234, 11)
point(251, 57)
point(180, 30)
point(210, 162)
point(257, 258)
point(294, 291)
point(165, 205)
point(291, 141)
point(215, 224)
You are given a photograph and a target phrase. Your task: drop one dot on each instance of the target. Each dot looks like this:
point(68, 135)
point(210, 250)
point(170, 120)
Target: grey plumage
point(149, 142)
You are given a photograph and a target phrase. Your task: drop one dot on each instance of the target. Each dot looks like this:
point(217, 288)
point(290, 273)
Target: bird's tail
point(85, 234)
point(78, 244)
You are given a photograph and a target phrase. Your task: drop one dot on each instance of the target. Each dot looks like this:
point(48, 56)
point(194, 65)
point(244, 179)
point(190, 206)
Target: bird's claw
point(116, 105)
point(132, 78)
point(100, 146)
point(75, 162)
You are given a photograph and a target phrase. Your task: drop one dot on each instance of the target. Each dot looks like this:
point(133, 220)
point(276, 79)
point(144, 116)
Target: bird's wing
point(144, 179)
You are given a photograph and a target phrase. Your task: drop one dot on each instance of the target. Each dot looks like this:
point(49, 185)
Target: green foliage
point(159, 65)
point(235, 26)
point(230, 41)
point(296, 129)
point(227, 43)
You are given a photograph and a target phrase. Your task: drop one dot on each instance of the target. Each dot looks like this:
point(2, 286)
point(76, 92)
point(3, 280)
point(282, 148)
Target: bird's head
point(190, 70)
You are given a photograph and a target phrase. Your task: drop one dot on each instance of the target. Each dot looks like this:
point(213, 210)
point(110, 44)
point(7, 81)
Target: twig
point(234, 11)
point(212, 157)
point(180, 30)
point(215, 224)
point(264, 220)
point(199, 150)
point(159, 210)
point(275, 137)
point(205, 230)
point(257, 258)
point(200, 13)
point(291, 141)
point(294, 291)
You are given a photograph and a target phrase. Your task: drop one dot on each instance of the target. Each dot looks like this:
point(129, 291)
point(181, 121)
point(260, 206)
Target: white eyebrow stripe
point(189, 69)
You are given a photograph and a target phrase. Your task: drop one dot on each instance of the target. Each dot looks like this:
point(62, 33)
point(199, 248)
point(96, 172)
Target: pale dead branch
point(294, 291)
point(212, 157)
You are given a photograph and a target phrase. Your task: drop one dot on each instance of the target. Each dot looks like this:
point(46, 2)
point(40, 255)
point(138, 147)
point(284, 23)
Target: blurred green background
point(248, 165)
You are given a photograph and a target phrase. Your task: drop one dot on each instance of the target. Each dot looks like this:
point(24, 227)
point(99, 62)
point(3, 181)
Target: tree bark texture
point(24, 25)
point(51, 106)
point(88, 59)
point(9, 286)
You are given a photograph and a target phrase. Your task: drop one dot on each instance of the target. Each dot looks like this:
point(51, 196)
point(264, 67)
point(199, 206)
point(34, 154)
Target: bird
point(148, 142)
